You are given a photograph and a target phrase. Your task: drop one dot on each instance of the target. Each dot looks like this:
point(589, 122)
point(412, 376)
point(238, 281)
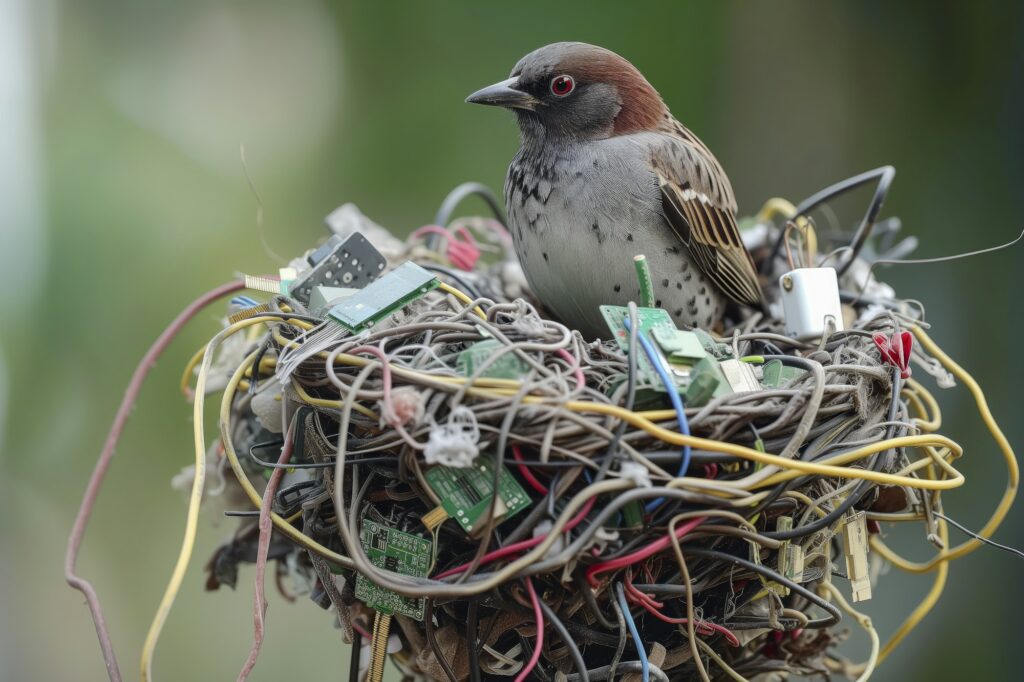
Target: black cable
point(452, 275)
point(590, 600)
point(990, 543)
point(471, 641)
point(428, 621)
point(455, 197)
point(860, 490)
point(538, 670)
point(574, 651)
point(834, 615)
point(883, 175)
point(354, 657)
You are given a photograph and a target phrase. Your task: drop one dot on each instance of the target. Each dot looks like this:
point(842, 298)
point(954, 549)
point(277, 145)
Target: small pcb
point(650, 321)
point(508, 365)
point(399, 552)
point(395, 290)
point(466, 493)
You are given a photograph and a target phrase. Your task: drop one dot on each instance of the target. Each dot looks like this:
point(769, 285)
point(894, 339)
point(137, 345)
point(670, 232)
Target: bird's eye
point(562, 85)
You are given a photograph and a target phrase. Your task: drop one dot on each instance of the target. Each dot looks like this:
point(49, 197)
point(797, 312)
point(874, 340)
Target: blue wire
point(677, 403)
point(645, 667)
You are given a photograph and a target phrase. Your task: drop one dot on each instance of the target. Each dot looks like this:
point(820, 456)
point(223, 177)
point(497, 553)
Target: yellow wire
point(448, 288)
point(776, 206)
point(796, 467)
point(1013, 473)
point(868, 668)
point(930, 416)
point(921, 400)
point(279, 521)
point(331, 404)
point(927, 604)
point(195, 497)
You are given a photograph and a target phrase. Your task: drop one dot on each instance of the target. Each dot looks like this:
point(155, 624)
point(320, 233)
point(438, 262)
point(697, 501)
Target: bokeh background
point(123, 195)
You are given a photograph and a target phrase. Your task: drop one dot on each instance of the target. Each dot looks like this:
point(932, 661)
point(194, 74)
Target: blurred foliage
point(127, 197)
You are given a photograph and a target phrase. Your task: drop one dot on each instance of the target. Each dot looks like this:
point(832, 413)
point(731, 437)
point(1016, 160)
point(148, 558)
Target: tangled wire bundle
point(633, 536)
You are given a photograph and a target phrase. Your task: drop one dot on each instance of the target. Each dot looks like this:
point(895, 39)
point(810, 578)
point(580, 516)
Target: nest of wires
point(506, 500)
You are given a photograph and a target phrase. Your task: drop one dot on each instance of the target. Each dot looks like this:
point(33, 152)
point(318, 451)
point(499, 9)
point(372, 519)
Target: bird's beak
point(504, 94)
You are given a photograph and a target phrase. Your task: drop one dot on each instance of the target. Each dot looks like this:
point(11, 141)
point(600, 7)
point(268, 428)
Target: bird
point(605, 172)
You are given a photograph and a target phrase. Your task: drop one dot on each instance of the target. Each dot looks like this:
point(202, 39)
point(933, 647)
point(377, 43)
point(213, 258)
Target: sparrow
point(604, 172)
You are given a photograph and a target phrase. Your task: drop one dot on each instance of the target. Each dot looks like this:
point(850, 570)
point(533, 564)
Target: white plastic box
point(810, 298)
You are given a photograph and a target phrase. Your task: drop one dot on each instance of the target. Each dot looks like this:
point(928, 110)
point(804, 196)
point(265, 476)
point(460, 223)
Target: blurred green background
point(122, 196)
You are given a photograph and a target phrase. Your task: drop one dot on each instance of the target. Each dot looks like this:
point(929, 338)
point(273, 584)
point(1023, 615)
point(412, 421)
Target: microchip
point(398, 288)
point(466, 493)
point(398, 552)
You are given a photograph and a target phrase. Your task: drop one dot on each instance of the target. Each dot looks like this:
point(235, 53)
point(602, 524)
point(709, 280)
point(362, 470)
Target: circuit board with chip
point(466, 493)
point(380, 298)
point(399, 552)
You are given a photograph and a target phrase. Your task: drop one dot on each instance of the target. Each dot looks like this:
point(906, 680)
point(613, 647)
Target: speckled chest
point(579, 214)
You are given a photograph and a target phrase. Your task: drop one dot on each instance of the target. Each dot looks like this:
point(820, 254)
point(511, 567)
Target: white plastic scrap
point(636, 472)
point(454, 444)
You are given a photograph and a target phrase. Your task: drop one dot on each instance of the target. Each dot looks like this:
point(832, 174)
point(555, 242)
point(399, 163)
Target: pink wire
point(517, 547)
point(389, 412)
point(639, 555)
point(462, 255)
point(539, 616)
point(99, 472)
point(259, 607)
point(574, 364)
point(517, 455)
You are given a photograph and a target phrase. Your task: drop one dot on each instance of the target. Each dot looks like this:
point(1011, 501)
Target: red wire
point(539, 616)
point(517, 547)
point(639, 555)
point(259, 607)
point(99, 472)
point(517, 455)
point(651, 605)
point(702, 626)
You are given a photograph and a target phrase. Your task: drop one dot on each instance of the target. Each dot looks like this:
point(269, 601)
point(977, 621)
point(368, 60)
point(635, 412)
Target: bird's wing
point(698, 204)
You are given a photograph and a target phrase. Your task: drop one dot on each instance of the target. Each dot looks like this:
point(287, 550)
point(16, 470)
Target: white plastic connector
point(454, 444)
point(810, 302)
point(636, 472)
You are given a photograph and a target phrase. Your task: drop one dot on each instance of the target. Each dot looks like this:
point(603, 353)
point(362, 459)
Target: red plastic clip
point(896, 350)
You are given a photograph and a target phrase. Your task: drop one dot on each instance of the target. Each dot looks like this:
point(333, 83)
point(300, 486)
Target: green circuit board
point(399, 552)
point(466, 493)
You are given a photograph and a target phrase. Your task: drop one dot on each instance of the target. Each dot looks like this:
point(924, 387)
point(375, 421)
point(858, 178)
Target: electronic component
point(399, 552)
point(323, 297)
point(740, 376)
point(791, 555)
point(855, 547)
point(810, 302)
point(351, 262)
point(774, 374)
point(507, 366)
point(706, 382)
point(682, 347)
point(382, 297)
point(466, 493)
point(267, 285)
point(649, 322)
point(246, 313)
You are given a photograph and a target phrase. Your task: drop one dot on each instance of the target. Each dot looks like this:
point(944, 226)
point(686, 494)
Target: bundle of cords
point(633, 535)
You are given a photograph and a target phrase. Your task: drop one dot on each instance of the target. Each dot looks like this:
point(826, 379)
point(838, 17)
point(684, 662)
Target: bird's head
point(576, 91)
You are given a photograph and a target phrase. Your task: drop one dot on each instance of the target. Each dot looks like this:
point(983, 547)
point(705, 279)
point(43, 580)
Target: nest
point(632, 536)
